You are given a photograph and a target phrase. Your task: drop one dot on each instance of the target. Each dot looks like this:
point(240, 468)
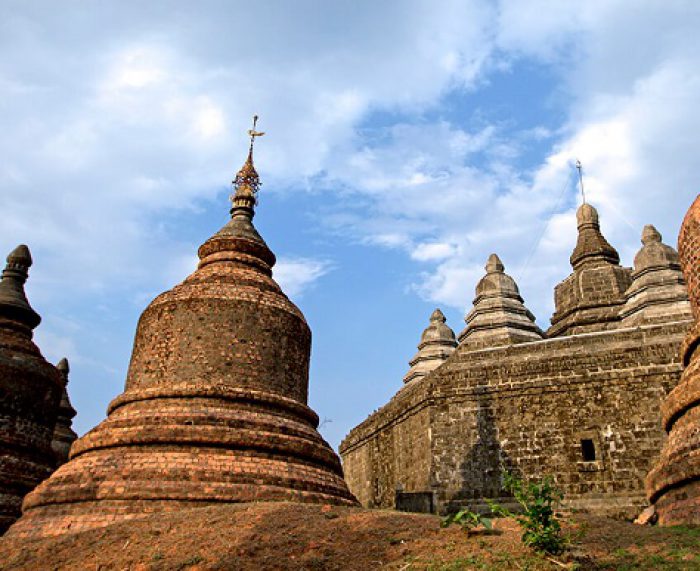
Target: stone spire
point(658, 292)
point(31, 389)
point(13, 300)
point(437, 343)
point(63, 434)
point(215, 403)
point(673, 485)
point(499, 316)
point(591, 297)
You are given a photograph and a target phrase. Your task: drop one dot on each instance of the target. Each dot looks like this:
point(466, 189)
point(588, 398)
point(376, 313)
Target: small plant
point(467, 520)
point(541, 528)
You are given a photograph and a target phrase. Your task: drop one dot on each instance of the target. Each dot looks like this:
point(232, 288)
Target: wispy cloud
point(297, 275)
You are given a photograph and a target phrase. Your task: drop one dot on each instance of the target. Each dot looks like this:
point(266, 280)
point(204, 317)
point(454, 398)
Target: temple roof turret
point(591, 245)
point(13, 300)
point(657, 292)
point(437, 343)
point(591, 297)
point(499, 316)
point(63, 434)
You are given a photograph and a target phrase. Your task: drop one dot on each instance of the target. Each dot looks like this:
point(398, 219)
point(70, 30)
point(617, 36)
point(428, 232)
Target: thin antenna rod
point(579, 166)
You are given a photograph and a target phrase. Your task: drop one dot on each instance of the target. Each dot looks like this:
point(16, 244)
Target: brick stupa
point(214, 408)
point(30, 390)
point(673, 485)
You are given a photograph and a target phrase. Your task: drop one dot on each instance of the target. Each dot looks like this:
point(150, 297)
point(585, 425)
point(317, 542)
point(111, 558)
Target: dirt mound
point(299, 536)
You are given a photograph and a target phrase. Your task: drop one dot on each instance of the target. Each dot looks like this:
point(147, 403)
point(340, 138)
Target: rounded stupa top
point(438, 330)
point(63, 367)
point(499, 316)
point(591, 245)
point(496, 282)
point(654, 253)
point(437, 343)
point(657, 293)
point(587, 214)
point(13, 300)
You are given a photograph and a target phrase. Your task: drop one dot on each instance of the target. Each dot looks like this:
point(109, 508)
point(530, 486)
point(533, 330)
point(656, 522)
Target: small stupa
point(215, 404)
point(499, 316)
point(673, 485)
point(437, 343)
point(658, 292)
point(591, 298)
point(30, 389)
point(63, 434)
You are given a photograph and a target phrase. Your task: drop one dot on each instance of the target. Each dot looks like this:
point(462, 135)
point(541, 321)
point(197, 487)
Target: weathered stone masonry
point(582, 405)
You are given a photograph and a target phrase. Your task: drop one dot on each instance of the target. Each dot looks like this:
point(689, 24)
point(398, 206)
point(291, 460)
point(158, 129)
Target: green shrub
point(467, 520)
point(541, 528)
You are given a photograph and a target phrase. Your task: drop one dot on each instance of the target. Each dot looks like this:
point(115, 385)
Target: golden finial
point(247, 183)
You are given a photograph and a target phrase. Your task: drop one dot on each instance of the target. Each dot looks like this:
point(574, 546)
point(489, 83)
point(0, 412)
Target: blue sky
point(406, 141)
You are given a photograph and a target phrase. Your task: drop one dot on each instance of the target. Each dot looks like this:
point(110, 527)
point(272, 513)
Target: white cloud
point(432, 251)
point(297, 275)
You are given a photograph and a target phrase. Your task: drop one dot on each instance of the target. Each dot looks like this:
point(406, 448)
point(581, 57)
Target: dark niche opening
point(588, 450)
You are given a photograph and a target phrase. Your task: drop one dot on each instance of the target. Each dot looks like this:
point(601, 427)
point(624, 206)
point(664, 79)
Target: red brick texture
point(214, 408)
point(673, 485)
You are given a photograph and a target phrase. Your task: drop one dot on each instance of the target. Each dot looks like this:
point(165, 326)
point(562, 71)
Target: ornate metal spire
point(247, 182)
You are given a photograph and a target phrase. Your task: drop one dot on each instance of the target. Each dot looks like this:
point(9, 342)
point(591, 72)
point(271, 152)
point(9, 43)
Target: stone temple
point(30, 390)
point(580, 401)
point(215, 404)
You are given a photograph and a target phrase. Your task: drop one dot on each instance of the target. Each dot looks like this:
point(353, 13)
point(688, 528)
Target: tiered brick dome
point(30, 389)
point(674, 483)
point(214, 408)
point(499, 316)
point(437, 343)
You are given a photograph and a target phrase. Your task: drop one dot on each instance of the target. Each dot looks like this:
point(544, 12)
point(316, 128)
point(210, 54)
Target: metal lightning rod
point(579, 166)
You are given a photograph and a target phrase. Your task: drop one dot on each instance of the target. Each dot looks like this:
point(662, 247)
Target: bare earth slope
point(300, 536)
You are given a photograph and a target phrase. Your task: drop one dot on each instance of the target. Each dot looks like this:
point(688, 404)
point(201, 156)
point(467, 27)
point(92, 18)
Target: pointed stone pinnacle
point(437, 316)
point(63, 366)
point(494, 265)
point(586, 214)
point(650, 234)
point(20, 256)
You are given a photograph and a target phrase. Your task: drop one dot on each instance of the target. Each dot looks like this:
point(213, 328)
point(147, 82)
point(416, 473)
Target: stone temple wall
point(580, 402)
point(528, 407)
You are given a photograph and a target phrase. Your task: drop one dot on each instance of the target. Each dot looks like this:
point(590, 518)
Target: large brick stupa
point(673, 485)
point(214, 408)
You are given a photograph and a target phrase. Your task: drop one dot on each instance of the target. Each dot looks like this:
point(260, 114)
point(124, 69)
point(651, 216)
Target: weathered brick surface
point(30, 389)
point(214, 408)
point(674, 483)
